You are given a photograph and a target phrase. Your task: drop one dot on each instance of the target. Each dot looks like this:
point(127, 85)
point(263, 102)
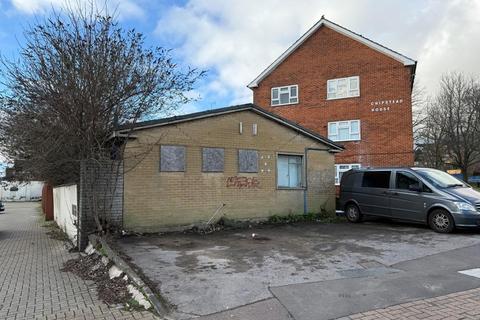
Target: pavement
point(305, 271)
point(456, 306)
point(31, 283)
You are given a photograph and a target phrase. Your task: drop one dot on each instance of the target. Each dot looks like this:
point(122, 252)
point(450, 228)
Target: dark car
point(415, 194)
point(2, 207)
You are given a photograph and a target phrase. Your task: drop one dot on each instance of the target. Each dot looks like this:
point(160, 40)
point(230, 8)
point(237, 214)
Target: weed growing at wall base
point(309, 217)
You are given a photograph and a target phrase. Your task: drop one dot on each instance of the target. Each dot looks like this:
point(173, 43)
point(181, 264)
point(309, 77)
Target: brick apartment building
point(348, 88)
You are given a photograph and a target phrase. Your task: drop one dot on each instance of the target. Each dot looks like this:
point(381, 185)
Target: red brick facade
point(385, 84)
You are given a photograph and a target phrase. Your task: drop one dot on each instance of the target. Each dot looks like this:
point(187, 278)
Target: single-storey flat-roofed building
point(239, 162)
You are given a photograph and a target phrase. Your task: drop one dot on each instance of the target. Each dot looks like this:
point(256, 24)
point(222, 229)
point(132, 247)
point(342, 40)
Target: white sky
point(239, 39)
point(236, 39)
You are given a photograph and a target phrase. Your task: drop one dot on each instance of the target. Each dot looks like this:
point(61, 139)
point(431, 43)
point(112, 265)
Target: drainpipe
point(305, 190)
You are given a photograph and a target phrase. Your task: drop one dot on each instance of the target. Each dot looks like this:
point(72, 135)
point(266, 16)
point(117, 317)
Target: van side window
point(426, 189)
point(376, 179)
point(404, 180)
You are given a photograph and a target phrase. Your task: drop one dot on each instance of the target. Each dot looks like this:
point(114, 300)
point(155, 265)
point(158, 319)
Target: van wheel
point(441, 221)
point(352, 212)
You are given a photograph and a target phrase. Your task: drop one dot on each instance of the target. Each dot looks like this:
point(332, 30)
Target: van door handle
point(391, 193)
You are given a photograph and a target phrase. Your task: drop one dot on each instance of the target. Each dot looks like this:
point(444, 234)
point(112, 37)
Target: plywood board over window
point(247, 161)
point(172, 158)
point(213, 159)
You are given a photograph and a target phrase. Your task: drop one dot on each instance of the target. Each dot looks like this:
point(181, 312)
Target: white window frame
point(290, 97)
point(350, 92)
point(338, 124)
point(301, 173)
point(338, 170)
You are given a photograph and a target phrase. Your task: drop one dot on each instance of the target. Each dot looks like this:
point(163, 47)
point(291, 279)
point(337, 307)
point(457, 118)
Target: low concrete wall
point(65, 210)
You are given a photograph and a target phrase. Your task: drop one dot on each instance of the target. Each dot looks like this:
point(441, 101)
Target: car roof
point(386, 168)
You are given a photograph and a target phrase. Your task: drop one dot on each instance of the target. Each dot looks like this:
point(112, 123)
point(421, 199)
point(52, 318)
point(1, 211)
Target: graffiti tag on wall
point(243, 182)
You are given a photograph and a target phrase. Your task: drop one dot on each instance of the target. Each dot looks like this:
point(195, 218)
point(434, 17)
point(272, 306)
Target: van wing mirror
point(415, 187)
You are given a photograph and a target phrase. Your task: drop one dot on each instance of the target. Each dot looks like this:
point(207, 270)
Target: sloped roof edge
point(216, 112)
point(324, 22)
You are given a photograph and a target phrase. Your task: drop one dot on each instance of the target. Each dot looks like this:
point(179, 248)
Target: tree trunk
point(465, 173)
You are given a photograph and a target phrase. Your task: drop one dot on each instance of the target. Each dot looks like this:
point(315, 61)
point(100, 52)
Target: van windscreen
point(376, 179)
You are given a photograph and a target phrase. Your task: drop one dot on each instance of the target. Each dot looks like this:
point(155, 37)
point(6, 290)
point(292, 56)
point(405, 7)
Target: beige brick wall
point(155, 200)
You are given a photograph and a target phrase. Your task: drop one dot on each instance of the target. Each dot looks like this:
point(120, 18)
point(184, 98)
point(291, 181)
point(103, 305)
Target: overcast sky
point(236, 40)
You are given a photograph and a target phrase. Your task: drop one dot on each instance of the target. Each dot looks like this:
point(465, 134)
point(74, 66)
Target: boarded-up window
point(172, 158)
point(247, 161)
point(213, 160)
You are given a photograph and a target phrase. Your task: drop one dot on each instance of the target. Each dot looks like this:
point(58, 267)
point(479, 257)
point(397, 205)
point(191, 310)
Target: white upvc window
point(284, 95)
point(344, 130)
point(341, 168)
point(343, 88)
point(289, 171)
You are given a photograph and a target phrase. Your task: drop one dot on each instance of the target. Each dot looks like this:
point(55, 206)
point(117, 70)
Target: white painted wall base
point(65, 210)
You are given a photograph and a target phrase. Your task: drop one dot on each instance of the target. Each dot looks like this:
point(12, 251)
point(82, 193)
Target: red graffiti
point(243, 182)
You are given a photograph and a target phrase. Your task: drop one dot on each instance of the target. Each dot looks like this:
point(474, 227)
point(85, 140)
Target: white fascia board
point(395, 55)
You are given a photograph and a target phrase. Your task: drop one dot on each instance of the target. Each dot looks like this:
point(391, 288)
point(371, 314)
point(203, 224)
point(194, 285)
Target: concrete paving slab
point(269, 309)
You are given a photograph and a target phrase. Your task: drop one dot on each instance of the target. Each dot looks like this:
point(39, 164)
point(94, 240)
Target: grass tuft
point(309, 217)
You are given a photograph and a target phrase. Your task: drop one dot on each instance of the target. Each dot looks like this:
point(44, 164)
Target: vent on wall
point(240, 127)
point(254, 129)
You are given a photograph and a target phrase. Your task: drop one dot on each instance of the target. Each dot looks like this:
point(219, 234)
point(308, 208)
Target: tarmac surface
point(304, 271)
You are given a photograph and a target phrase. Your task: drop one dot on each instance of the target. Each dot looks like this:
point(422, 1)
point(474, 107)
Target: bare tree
point(79, 76)
point(458, 106)
point(419, 117)
point(419, 105)
point(430, 138)
point(449, 133)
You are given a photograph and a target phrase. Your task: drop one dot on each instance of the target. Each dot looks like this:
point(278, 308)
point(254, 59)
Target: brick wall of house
point(156, 200)
point(386, 136)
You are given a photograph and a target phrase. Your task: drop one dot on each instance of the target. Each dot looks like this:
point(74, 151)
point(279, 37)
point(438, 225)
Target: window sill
point(289, 188)
point(283, 104)
point(328, 99)
point(356, 140)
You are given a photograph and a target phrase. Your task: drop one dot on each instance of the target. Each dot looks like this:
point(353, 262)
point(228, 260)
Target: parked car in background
point(415, 194)
point(2, 207)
